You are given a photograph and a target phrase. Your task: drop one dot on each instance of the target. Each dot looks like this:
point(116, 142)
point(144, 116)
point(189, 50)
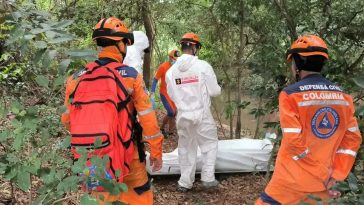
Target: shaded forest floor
point(234, 189)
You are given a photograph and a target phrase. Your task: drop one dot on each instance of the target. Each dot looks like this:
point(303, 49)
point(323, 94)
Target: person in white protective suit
point(190, 84)
point(135, 55)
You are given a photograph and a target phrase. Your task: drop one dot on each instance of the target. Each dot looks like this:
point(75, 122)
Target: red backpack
point(99, 110)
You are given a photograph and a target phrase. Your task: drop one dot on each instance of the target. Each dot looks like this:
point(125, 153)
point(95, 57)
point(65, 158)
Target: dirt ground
point(234, 189)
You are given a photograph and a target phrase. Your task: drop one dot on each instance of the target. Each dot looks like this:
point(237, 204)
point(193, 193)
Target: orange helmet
point(191, 38)
point(114, 29)
point(308, 46)
point(174, 54)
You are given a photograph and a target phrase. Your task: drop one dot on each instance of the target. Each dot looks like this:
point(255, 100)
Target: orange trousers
point(288, 196)
point(136, 178)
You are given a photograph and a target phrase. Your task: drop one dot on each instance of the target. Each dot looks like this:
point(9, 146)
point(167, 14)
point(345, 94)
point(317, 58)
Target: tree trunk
point(229, 88)
point(231, 114)
point(259, 117)
point(148, 25)
point(219, 119)
point(5, 9)
point(239, 69)
point(238, 119)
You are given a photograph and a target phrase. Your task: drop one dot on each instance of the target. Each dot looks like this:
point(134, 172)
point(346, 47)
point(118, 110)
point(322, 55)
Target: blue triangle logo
point(325, 123)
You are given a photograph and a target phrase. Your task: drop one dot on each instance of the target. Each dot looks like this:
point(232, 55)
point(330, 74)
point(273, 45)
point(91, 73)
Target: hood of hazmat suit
point(135, 53)
point(190, 84)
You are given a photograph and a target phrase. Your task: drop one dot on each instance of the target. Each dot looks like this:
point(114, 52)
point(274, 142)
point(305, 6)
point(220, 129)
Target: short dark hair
point(313, 63)
point(103, 42)
point(186, 46)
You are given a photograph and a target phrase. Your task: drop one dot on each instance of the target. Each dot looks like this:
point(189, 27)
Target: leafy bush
point(34, 150)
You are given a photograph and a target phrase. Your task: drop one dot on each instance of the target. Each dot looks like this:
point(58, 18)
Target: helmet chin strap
point(123, 54)
point(194, 50)
point(298, 75)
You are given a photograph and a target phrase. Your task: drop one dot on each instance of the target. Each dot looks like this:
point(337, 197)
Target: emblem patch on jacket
point(187, 80)
point(325, 122)
point(178, 81)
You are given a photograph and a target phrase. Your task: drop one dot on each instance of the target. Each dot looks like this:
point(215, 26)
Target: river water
point(248, 122)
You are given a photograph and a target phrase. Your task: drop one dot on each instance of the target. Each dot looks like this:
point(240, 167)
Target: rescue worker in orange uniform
point(166, 100)
point(320, 133)
point(113, 45)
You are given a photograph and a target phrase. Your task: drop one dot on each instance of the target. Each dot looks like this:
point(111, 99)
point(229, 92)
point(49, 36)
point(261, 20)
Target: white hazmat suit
point(135, 53)
point(190, 84)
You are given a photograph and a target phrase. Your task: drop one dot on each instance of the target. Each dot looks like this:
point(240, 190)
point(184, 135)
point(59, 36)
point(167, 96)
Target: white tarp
point(238, 155)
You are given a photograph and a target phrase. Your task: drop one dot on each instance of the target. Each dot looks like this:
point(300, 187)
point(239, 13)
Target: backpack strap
point(89, 68)
point(137, 128)
point(111, 67)
point(137, 136)
point(92, 66)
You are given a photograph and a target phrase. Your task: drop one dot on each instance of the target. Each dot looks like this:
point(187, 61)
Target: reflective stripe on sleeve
point(144, 112)
point(130, 91)
point(302, 155)
point(353, 129)
point(323, 102)
point(346, 151)
point(153, 136)
point(291, 130)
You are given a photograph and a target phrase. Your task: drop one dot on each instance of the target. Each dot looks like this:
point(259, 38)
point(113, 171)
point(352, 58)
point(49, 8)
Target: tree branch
point(359, 97)
point(199, 5)
point(351, 68)
point(326, 11)
point(63, 199)
point(253, 49)
point(273, 154)
point(219, 119)
point(347, 23)
point(282, 7)
point(354, 16)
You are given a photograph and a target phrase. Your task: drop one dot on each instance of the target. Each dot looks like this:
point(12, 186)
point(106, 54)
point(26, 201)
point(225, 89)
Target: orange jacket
point(161, 75)
point(140, 102)
point(320, 135)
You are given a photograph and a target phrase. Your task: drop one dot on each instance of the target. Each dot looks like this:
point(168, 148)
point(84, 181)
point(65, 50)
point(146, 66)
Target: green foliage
point(33, 142)
point(351, 189)
point(229, 110)
point(12, 71)
point(88, 200)
point(33, 148)
point(257, 112)
point(359, 81)
point(27, 145)
point(41, 44)
point(231, 107)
